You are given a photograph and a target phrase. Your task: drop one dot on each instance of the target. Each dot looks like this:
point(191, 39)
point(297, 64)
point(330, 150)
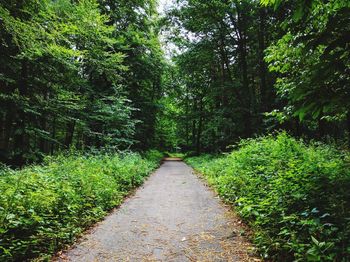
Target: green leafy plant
point(42, 208)
point(295, 196)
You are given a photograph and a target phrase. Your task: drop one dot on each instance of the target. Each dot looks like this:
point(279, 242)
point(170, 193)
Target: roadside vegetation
point(44, 207)
point(193, 79)
point(294, 195)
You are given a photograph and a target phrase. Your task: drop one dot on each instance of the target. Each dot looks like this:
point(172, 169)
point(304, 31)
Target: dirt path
point(173, 217)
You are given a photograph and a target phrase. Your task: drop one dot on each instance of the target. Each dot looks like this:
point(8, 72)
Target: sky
point(163, 5)
point(169, 48)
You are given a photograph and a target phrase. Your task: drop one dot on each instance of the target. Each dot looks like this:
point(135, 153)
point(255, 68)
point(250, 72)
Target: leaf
point(315, 241)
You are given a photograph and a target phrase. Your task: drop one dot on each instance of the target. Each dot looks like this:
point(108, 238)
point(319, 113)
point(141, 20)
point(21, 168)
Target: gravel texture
point(174, 216)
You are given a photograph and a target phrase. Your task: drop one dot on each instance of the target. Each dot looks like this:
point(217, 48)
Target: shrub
point(153, 155)
point(42, 208)
point(295, 196)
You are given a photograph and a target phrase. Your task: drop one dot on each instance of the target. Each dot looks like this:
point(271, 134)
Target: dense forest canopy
point(249, 67)
point(93, 74)
point(254, 94)
point(77, 74)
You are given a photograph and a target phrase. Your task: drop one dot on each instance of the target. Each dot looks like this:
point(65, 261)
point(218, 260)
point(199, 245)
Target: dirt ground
point(172, 217)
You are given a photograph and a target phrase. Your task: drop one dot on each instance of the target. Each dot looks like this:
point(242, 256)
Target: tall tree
point(312, 61)
point(71, 75)
point(223, 67)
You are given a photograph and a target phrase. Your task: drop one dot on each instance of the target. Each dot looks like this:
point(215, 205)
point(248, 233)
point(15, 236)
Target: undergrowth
point(44, 207)
point(296, 196)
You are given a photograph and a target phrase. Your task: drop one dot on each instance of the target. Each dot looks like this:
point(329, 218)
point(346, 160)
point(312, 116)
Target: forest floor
point(173, 217)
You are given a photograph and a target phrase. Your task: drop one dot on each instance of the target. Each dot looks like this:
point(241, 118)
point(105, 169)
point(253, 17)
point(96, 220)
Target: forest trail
point(172, 217)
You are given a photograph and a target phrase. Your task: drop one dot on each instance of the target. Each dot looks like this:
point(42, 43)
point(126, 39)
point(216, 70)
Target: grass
point(177, 155)
point(44, 207)
point(295, 196)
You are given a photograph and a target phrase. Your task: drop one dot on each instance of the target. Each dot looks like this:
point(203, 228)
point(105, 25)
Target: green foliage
point(136, 25)
point(167, 127)
point(44, 207)
point(224, 88)
point(76, 74)
point(153, 155)
point(222, 82)
point(312, 59)
point(177, 155)
point(295, 196)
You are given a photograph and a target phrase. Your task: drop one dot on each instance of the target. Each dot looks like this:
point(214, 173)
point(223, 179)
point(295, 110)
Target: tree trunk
point(69, 134)
point(244, 65)
point(199, 129)
point(262, 64)
point(7, 130)
point(194, 123)
point(20, 137)
point(187, 128)
point(348, 127)
point(52, 145)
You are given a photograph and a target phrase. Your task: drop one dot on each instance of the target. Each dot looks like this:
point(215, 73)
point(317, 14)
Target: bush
point(42, 208)
point(295, 196)
point(153, 155)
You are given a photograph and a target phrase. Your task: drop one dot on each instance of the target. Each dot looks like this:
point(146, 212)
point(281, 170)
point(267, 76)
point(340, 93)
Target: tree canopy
point(249, 67)
point(76, 74)
point(91, 74)
point(93, 93)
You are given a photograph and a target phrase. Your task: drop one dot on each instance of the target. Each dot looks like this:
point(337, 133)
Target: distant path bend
point(172, 217)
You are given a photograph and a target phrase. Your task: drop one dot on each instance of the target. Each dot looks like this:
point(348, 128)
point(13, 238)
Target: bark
point(7, 131)
point(69, 134)
point(321, 128)
point(262, 64)
point(52, 144)
point(194, 123)
point(348, 127)
point(187, 122)
point(199, 129)
point(20, 138)
point(42, 141)
point(242, 48)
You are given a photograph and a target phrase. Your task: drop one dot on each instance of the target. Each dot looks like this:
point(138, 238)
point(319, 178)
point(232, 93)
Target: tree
point(222, 66)
point(136, 22)
point(312, 61)
point(61, 79)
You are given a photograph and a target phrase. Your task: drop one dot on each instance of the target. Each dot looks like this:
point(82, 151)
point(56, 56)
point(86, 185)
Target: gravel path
point(173, 217)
